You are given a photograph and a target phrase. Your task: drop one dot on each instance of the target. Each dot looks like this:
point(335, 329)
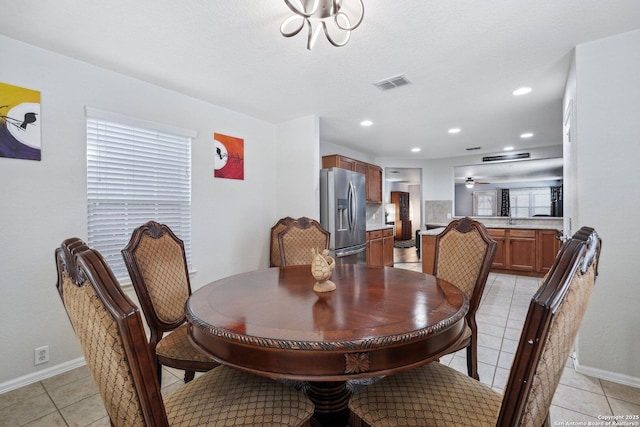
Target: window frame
point(531, 208)
point(143, 185)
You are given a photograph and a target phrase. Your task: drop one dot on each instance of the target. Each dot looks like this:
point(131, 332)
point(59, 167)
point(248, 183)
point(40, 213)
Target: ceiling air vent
point(392, 83)
point(506, 157)
point(473, 148)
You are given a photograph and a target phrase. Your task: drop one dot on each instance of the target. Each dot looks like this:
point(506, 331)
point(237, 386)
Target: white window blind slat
point(135, 174)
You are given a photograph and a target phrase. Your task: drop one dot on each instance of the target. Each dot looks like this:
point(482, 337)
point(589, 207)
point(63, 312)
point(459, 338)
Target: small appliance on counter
point(343, 214)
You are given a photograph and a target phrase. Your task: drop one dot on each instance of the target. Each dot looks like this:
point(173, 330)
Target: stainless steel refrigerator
point(343, 214)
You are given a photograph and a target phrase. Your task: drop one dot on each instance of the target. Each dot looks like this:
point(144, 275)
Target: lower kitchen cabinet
point(524, 251)
point(387, 247)
point(428, 252)
point(500, 236)
point(380, 247)
point(548, 247)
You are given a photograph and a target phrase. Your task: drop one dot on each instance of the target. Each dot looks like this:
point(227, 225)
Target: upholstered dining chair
point(464, 252)
point(297, 240)
point(437, 395)
point(274, 258)
point(113, 340)
point(157, 266)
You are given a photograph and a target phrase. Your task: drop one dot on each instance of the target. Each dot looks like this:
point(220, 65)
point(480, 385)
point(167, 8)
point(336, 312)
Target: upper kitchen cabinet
point(372, 173)
point(374, 183)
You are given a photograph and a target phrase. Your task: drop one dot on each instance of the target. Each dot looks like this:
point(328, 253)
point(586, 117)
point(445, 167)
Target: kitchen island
point(526, 246)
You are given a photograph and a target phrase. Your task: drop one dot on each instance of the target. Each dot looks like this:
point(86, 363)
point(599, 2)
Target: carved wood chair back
point(112, 338)
point(274, 258)
point(157, 265)
point(438, 394)
point(464, 252)
point(299, 238)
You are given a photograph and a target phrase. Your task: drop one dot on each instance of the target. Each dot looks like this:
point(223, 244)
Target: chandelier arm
point(348, 20)
point(303, 12)
point(336, 44)
point(310, 35)
point(294, 32)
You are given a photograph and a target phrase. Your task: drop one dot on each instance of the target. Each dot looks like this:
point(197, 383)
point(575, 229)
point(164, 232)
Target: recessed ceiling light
point(415, 150)
point(366, 123)
point(454, 130)
point(526, 135)
point(508, 148)
point(522, 91)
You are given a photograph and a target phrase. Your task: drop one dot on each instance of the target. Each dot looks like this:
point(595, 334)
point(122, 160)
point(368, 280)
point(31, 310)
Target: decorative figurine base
point(326, 286)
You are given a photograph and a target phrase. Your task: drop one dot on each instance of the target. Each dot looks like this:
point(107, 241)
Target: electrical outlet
point(41, 355)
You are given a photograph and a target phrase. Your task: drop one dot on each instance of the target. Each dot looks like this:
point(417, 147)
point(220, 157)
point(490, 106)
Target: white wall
point(608, 153)
point(42, 203)
point(297, 164)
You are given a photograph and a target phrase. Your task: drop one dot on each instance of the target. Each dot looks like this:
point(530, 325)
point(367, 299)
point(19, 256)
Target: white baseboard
point(605, 375)
point(41, 375)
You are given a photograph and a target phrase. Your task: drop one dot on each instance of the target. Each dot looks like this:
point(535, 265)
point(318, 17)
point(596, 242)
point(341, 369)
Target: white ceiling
point(464, 59)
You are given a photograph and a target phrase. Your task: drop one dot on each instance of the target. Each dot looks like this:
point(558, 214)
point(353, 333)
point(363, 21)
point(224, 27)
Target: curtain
point(556, 201)
point(505, 205)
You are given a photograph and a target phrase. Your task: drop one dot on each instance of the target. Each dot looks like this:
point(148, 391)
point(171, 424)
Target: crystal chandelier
point(328, 14)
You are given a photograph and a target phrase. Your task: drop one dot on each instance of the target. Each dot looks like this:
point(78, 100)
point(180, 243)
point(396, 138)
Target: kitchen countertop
point(374, 227)
point(536, 223)
point(432, 232)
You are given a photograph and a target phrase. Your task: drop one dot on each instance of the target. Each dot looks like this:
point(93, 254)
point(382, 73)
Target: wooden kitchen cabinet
point(548, 247)
point(380, 247)
point(387, 247)
point(428, 249)
point(500, 236)
point(372, 173)
point(524, 251)
point(342, 162)
point(374, 183)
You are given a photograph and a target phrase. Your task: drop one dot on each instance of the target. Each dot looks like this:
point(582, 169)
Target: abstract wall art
point(20, 136)
point(228, 157)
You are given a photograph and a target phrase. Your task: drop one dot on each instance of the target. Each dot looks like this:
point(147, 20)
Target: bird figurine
point(321, 268)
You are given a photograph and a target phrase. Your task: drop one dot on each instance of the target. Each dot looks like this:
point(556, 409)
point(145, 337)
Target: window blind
point(135, 174)
point(526, 202)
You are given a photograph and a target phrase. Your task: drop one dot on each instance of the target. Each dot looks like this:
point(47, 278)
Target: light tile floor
point(71, 399)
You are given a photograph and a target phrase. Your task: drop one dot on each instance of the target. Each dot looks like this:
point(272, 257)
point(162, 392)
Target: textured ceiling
point(463, 58)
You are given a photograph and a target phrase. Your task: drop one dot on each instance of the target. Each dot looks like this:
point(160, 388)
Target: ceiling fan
point(470, 182)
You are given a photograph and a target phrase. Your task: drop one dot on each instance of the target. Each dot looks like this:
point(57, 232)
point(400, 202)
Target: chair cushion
point(226, 397)
point(432, 395)
point(176, 346)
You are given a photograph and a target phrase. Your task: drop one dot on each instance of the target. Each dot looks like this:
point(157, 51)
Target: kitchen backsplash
point(375, 213)
point(438, 211)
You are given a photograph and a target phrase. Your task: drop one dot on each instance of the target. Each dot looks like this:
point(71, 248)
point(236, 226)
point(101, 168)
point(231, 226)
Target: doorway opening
point(403, 210)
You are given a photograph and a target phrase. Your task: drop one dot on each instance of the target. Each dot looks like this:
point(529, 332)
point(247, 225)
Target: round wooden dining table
point(378, 321)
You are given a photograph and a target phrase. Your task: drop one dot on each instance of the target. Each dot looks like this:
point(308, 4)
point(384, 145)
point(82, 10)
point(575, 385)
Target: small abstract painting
point(228, 157)
point(20, 136)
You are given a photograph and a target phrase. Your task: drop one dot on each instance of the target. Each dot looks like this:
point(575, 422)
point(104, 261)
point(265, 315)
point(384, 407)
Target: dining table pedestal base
point(331, 400)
